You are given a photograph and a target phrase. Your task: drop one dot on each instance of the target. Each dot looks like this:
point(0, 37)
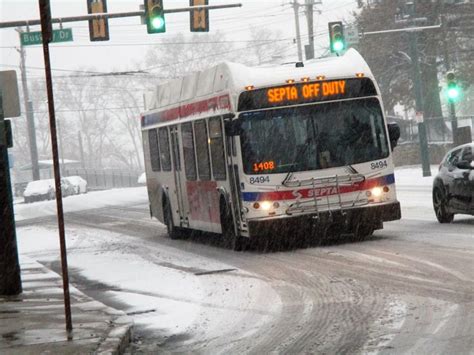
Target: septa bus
point(249, 153)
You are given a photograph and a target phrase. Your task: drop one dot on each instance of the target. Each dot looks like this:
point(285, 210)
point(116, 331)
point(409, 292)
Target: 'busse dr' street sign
point(30, 38)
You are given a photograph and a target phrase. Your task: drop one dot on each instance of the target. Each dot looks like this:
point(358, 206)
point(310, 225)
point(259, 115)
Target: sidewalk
point(33, 322)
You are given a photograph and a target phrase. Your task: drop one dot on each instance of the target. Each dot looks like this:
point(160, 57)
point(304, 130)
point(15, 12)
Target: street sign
point(351, 34)
point(31, 38)
point(419, 117)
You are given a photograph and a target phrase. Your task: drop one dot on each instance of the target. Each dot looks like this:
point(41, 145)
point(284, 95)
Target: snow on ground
point(91, 200)
point(412, 175)
point(414, 192)
point(158, 284)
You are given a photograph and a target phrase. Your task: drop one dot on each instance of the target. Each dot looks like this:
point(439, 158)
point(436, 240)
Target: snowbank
point(91, 200)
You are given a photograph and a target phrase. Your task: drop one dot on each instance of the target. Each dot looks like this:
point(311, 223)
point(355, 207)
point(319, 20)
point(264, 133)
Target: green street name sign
point(30, 38)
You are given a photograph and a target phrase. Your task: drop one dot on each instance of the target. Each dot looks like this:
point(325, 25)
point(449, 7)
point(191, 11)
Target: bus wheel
point(173, 232)
point(230, 239)
point(363, 231)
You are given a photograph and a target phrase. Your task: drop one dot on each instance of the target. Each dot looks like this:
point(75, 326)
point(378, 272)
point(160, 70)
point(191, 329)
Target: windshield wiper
point(301, 151)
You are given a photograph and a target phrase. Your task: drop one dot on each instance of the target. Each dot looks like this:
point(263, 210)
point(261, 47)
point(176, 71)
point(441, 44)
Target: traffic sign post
point(32, 38)
point(10, 276)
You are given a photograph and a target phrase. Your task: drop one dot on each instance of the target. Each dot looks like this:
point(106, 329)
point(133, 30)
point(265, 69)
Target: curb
point(119, 337)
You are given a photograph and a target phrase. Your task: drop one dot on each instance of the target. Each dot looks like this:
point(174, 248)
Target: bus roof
point(224, 82)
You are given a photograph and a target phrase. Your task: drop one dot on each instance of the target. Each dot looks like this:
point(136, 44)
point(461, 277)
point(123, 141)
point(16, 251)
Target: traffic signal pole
point(10, 278)
point(417, 83)
point(424, 151)
point(454, 121)
point(98, 16)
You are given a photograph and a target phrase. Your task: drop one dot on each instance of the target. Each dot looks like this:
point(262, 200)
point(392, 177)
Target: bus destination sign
point(301, 93)
point(307, 91)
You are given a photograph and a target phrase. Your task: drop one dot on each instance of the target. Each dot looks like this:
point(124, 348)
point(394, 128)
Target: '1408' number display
point(264, 165)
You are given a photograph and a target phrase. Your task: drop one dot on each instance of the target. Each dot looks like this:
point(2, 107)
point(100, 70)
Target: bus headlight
point(376, 191)
point(266, 205)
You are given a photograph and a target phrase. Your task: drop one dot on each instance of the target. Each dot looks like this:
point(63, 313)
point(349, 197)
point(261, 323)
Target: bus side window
point(217, 148)
point(188, 150)
point(154, 150)
point(164, 145)
point(202, 151)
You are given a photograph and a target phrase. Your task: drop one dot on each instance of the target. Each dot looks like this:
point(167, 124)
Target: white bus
point(301, 149)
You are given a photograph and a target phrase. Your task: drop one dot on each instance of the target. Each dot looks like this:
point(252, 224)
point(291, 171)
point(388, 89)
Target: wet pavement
point(34, 321)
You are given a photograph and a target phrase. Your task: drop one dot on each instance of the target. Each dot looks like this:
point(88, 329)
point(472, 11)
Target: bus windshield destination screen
point(306, 92)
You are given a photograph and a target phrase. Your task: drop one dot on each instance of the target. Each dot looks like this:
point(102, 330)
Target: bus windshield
point(313, 137)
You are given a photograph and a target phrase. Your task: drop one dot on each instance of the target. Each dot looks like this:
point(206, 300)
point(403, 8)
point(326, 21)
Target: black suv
point(453, 186)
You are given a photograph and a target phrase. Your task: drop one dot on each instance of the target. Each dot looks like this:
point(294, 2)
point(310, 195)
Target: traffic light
point(155, 16)
point(98, 28)
point(337, 42)
point(453, 90)
point(199, 18)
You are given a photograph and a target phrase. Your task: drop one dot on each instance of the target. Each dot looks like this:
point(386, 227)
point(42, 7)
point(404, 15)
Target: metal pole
point(62, 168)
point(424, 152)
point(81, 149)
point(296, 7)
point(454, 122)
point(99, 16)
point(309, 19)
point(10, 275)
point(30, 118)
point(45, 14)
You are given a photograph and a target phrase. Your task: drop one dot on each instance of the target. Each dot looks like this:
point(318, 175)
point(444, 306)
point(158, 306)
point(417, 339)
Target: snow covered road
point(408, 289)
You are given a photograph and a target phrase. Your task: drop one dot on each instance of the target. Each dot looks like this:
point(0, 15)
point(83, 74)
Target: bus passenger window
point(164, 145)
point(154, 151)
point(217, 148)
point(188, 149)
point(202, 152)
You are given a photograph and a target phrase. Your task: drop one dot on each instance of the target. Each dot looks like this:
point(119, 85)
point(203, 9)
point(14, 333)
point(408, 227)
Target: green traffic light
point(338, 46)
point(453, 93)
point(158, 22)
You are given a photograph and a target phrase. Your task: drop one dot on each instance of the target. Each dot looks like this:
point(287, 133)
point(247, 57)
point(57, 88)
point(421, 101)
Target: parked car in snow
point(67, 188)
point(453, 186)
point(39, 190)
point(79, 184)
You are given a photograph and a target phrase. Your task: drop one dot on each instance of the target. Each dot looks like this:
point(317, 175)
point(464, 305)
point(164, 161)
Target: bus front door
point(179, 178)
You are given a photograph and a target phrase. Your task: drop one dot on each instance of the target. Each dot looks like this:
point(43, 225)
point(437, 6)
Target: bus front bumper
point(342, 220)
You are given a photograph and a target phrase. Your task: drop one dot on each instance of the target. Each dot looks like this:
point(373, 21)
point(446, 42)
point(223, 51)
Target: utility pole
point(424, 152)
point(419, 104)
point(81, 149)
point(309, 49)
point(407, 15)
point(30, 119)
point(296, 8)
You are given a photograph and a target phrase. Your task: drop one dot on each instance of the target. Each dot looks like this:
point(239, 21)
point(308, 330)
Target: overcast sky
point(129, 39)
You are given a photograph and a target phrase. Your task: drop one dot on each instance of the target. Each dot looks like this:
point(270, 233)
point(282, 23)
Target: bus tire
point(363, 231)
point(230, 239)
point(172, 230)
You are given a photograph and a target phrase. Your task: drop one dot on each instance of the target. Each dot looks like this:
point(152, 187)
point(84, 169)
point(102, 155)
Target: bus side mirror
point(393, 134)
point(232, 128)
